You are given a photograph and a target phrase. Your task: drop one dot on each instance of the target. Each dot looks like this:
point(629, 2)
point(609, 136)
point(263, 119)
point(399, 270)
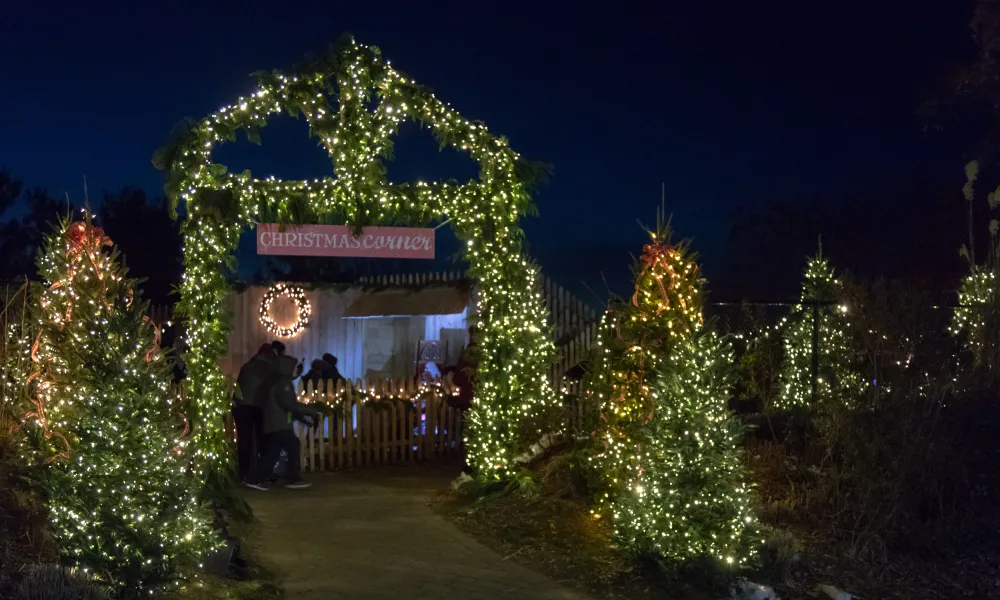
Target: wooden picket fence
point(380, 422)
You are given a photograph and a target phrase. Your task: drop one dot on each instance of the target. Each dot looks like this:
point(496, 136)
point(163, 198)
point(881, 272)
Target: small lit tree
point(820, 316)
point(977, 317)
point(670, 455)
point(122, 502)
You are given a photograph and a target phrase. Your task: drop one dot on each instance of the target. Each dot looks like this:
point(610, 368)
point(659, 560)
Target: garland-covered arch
point(514, 400)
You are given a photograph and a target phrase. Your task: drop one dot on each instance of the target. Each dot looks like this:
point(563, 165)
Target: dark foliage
point(966, 96)
point(25, 539)
point(28, 214)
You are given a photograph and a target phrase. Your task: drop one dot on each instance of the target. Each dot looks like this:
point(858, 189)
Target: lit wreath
point(298, 295)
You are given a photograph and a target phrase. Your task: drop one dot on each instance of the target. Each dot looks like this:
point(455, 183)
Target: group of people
point(266, 404)
point(323, 369)
point(263, 410)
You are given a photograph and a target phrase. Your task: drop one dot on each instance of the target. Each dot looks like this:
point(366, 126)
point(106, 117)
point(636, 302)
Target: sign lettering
point(338, 240)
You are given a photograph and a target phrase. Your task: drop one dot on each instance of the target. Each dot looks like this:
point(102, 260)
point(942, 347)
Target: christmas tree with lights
point(122, 502)
point(820, 317)
point(670, 451)
point(977, 317)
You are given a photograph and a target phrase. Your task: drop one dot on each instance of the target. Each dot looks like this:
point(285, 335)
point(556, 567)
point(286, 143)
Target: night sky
point(726, 104)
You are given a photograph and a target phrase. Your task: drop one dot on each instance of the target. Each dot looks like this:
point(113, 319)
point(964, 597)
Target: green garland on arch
point(514, 401)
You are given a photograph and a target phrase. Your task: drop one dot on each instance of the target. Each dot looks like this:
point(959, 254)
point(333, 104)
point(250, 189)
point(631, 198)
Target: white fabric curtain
point(326, 331)
point(374, 347)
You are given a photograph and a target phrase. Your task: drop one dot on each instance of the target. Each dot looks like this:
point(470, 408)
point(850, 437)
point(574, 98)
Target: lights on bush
point(302, 308)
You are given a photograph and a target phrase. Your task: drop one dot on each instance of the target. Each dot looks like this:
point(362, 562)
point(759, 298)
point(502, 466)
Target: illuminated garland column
point(203, 291)
point(514, 403)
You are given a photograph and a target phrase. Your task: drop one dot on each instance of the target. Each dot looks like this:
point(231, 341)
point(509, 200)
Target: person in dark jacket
point(253, 382)
point(318, 370)
point(277, 413)
point(332, 372)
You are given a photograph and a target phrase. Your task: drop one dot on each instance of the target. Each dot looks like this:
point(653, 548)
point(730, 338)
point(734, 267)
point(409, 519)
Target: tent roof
point(402, 302)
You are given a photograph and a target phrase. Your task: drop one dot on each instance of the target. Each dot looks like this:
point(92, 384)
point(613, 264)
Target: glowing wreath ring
point(298, 295)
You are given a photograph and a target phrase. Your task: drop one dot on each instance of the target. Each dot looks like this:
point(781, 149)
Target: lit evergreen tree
point(122, 501)
point(977, 317)
point(822, 292)
point(671, 456)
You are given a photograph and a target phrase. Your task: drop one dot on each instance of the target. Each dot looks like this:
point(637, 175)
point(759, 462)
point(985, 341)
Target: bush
point(908, 467)
point(25, 538)
point(52, 582)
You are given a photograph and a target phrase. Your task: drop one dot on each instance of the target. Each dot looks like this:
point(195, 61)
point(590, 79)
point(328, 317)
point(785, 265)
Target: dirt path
point(372, 535)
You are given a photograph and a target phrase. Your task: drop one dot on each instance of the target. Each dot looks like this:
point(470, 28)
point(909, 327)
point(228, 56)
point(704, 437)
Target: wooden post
point(364, 426)
point(369, 435)
point(442, 405)
point(325, 422)
point(384, 421)
point(419, 431)
point(336, 427)
point(431, 423)
point(309, 447)
point(393, 440)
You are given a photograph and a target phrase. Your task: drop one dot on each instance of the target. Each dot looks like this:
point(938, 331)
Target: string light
point(332, 399)
point(514, 401)
point(670, 451)
point(100, 413)
point(302, 308)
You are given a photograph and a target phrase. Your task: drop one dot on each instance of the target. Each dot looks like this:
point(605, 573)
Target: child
point(277, 426)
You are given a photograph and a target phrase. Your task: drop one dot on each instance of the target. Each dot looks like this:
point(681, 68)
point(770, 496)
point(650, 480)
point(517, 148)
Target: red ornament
point(76, 234)
point(83, 236)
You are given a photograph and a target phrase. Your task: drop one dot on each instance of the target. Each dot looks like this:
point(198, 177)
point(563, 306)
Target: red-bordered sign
point(339, 240)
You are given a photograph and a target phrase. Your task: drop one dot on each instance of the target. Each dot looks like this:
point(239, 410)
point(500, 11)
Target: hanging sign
point(339, 240)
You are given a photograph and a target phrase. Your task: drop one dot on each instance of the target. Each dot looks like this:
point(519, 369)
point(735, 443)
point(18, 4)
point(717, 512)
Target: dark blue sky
point(726, 103)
